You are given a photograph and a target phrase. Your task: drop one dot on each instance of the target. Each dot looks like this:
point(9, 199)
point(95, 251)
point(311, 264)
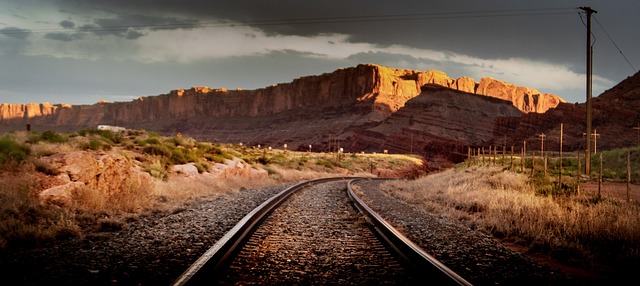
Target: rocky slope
point(614, 115)
point(349, 107)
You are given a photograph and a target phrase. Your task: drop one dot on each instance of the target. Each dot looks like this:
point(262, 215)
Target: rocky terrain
point(344, 108)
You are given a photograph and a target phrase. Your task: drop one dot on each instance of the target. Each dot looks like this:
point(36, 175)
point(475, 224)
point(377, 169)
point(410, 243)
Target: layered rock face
point(367, 88)
point(440, 122)
point(363, 108)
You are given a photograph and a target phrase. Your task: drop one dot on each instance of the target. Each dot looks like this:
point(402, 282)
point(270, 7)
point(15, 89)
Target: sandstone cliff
point(366, 88)
point(363, 108)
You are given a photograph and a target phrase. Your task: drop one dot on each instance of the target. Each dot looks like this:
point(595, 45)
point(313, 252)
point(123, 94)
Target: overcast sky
point(80, 52)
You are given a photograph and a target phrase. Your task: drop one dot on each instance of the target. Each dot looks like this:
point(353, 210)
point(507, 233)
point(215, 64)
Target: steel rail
point(424, 264)
point(232, 241)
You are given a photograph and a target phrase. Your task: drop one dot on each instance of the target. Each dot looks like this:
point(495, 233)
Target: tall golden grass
point(504, 204)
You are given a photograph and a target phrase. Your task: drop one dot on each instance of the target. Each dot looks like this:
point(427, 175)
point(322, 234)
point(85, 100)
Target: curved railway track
point(311, 234)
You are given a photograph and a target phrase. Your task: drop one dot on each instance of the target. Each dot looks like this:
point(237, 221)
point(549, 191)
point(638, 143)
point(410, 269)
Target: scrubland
point(578, 229)
point(25, 221)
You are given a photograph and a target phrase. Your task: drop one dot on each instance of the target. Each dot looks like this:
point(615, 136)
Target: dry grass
point(574, 229)
point(23, 220)
point(178, 190)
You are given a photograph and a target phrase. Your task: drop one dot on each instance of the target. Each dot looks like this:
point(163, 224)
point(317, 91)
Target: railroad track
point(311, 234)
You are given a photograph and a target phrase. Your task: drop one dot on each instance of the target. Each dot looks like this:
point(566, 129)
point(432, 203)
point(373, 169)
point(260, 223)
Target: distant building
point(112, 128)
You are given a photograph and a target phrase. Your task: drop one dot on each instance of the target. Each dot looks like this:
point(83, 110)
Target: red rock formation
point(363, 107)
point(368, 88)
point(440, 121)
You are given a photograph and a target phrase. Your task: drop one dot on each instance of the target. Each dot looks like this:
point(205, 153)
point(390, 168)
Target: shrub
point(152, 141)
point(157, 150)
point(156, 169)
point(12, 151)
point(48, 136)
point(202, 167)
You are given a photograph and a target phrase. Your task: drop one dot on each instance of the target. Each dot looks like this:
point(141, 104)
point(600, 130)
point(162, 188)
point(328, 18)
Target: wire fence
point(566, 169)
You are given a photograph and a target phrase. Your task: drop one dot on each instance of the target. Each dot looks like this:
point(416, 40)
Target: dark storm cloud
point(67, 24)
point(131, 26)
point(146, 21)
point(417, 23)
point(14, 32)
point(530, 37)
point(64, 37)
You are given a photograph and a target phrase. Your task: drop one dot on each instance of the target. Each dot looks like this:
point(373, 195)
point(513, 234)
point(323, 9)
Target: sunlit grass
point(507, 205)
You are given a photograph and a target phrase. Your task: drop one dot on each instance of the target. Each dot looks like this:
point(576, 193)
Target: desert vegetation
point(577, 228)
point(27, 221)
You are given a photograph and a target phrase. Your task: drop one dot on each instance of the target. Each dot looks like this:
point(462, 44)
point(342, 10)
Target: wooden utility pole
point(595, 141)
point(542, 144)
point(587, 158)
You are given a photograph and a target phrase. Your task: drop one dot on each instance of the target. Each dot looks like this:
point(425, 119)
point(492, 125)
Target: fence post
point(533, 163)
point(560, 173)
point(545, 165)
point(495, 151)
point(524, 155)
point(628, 175)
point(511, 166)
point(600, 177)
point(468, 157)
point(578, 175)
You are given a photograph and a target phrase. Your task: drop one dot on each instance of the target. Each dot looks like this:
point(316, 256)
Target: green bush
point(12, 151)
point(151, 141)
point(48, 136)
point(158, 150)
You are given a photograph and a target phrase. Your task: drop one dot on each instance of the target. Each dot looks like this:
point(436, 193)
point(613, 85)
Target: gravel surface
point(316, 238)
point(152, 250)
point(155, 250)
point(473, 255)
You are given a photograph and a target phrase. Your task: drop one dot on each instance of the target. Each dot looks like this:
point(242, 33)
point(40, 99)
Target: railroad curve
point(311, 234)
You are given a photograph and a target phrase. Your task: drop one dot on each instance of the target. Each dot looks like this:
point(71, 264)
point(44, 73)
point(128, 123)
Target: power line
point(308, 21)
point(614, 44)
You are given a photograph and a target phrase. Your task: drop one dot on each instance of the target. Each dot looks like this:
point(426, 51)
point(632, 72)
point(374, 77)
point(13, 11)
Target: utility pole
point(542, 144)
point(587, 158)
point(595, 141)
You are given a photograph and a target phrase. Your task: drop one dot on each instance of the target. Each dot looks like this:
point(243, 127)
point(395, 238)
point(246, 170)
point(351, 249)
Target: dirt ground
point(615, 190)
